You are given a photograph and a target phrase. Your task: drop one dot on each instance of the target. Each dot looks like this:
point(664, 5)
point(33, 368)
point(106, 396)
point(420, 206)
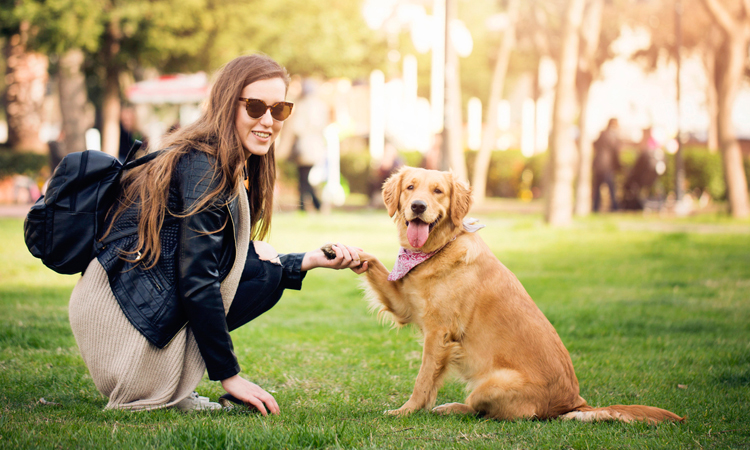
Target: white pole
point(93, 139)
point(474, 119)
point(333, 192)
point(437, 80)
point(527, 128)
point(410, 80)
point(377, 115)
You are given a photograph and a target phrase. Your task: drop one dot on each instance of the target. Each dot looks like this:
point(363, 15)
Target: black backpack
point(63, 227)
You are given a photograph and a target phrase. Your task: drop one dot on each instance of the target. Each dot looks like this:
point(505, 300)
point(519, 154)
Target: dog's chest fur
point(432, 292)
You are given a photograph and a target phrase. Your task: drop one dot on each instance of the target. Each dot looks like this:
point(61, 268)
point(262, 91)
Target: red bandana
point(409, 259)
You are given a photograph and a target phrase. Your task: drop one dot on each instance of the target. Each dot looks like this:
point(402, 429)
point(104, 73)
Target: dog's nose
point(418, 206)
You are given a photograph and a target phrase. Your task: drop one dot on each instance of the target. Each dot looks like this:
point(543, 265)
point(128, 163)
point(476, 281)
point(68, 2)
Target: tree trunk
point(729, 68)
point(709, 62)
point(587, 72)
point(111, 103)
point(26, 79)
point(559, 198)
point(489, 138)
point(73, 99)
point(729, 72)
point(454, 122)
point(585, 150)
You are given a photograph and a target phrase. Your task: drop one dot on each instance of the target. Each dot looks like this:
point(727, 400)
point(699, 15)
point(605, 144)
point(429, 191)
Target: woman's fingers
point(349, 256)
point(251, 393)
point(362, 268)
point(263, 401)
point(257, 404)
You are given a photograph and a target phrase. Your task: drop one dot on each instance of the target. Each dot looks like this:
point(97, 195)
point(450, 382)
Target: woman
point(156, 306)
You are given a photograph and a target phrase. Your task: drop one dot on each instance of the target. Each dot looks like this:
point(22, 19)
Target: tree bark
point(728, 78)
point(729, 69)
point(489, 138)
point(73, 99)
point(26, 78)
point(559, 198)
point(587, 71)
point(709, 63)
point(454, 122)
point(111, 104)
point(585, 150)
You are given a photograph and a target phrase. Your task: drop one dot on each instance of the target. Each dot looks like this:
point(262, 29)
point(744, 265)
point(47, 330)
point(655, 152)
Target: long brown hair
point(213, 133)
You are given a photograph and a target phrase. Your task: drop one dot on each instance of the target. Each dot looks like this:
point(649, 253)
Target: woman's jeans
point(259, 290)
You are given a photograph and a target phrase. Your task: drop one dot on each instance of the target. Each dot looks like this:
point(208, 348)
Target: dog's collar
point(409, 259)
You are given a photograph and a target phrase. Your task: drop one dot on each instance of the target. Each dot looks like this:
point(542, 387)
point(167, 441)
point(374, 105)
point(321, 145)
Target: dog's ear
point(460, 201)
point(392, 192)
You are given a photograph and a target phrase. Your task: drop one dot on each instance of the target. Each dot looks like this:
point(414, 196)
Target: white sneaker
point(194, 402)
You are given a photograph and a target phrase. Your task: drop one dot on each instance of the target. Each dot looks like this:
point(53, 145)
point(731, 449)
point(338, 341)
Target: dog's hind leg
point(504, 395)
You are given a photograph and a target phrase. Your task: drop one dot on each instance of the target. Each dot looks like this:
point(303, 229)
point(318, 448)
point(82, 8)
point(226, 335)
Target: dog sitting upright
point(474, 313)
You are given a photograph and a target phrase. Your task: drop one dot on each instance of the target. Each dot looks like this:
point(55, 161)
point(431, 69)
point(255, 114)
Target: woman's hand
point(251, 393)
point(347, 257)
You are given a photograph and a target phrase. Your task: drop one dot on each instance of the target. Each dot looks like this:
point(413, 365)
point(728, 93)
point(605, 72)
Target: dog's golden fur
point(476, 316)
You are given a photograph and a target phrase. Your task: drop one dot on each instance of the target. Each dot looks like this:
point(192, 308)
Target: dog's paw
point(328, 251)
point(453, 408)
point(398, 412)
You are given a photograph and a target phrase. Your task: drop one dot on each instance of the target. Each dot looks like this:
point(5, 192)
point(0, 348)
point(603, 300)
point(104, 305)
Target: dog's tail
point(624, 413)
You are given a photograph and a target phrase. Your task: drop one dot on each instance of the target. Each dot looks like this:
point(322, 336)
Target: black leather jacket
point(183, 287)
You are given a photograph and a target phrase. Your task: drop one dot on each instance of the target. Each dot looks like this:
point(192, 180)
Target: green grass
point(649, 316)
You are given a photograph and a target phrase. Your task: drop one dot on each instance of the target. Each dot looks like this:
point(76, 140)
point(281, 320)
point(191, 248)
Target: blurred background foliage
point(123, 42)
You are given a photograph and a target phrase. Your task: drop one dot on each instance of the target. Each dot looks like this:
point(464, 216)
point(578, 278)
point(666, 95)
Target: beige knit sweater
point(125, 367)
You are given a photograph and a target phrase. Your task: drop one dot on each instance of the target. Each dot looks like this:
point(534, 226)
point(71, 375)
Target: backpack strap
point(130, 161)
point(142, 160)
point(133, 150)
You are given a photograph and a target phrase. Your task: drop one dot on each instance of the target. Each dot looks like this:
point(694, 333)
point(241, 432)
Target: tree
point(595, 40)
point(453, 133)
point(489, 137)
point(730, 63)
point(312, 37)
point(26, 78)
point(66, 29)
point(326, 38)
point(559, 198)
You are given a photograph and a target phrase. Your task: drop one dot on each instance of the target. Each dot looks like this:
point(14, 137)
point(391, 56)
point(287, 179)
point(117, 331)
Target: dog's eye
point(410, 187)
point(438, 191)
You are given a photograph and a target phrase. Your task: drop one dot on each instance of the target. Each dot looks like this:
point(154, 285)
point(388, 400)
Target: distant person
point(128, 132)
point(606, 163)
point(389, 164)
point(431, 158)
point(311, 117)
point(56, 151)
point(647, 168)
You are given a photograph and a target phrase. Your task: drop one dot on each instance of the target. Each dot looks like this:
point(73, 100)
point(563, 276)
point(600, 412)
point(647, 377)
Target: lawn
point(652, 312)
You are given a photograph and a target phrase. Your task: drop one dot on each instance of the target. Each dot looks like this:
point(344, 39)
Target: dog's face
point(427, 206)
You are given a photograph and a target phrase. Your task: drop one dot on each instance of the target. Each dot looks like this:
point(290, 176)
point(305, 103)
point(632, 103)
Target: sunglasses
point(256, 108)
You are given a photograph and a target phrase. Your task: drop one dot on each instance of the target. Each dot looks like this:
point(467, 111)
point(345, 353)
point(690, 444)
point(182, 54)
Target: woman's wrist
point(311, 260)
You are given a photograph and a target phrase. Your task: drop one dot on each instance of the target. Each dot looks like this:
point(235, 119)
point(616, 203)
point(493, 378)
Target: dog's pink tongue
point(417, 233)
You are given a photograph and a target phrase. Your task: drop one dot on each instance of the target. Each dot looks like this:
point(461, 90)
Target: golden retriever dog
point(475, 315)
